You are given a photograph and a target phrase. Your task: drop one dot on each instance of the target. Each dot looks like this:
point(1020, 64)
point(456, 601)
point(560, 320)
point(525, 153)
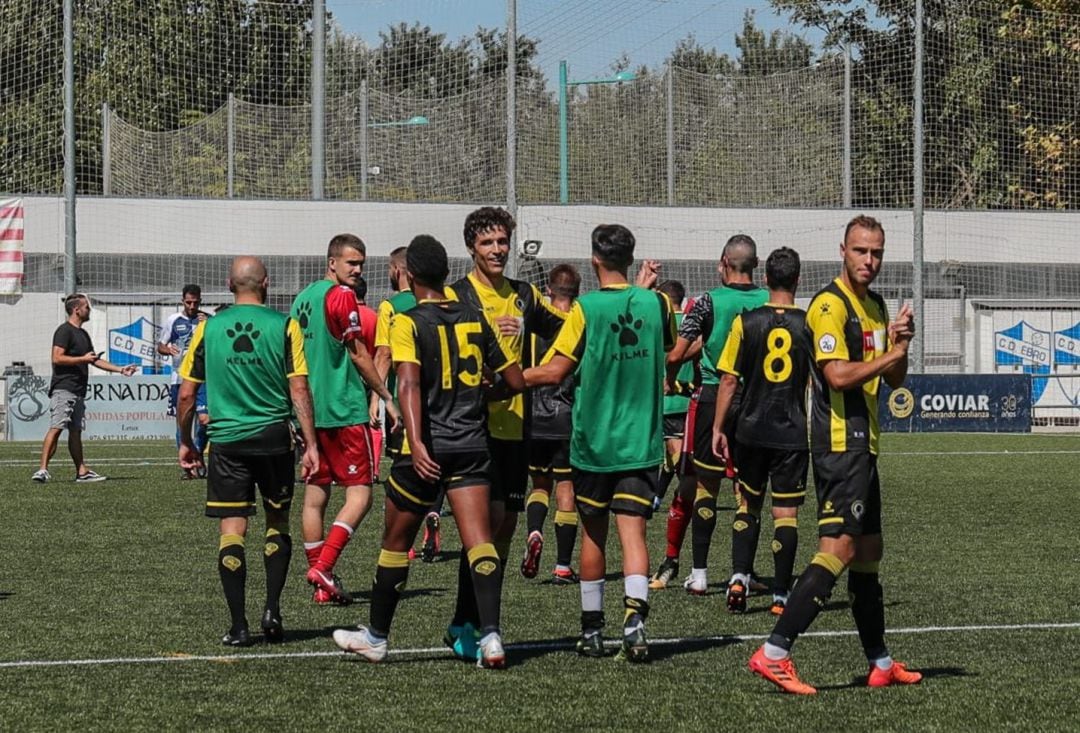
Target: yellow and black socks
point(868, 608)
point(565, 536)
point(465, 610)
point(745, 529)
point(702, 525)
point(784, 545)
point(232, 568)
point(806, 601)
point(536, 511)
point(486, 570)
point(277, 552)
point(391, 574)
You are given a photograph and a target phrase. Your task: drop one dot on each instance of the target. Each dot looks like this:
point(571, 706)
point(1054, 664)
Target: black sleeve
point(541, 318)
point(62, 337)
point(698, 322)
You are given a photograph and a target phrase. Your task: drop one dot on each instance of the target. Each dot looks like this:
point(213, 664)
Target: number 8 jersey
point(452, 344)
point(769, 348)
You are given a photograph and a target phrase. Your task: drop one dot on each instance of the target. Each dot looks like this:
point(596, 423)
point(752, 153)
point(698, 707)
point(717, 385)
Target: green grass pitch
point(981, 576)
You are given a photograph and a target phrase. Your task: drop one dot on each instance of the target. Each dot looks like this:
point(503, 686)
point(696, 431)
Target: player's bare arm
point(511, 382)
point(364, 364)
point(901, 331)
point(408, 375)
point(554, 372)
point(168, 349)
point(300, 394)
point(725, 393)
point(190, 458)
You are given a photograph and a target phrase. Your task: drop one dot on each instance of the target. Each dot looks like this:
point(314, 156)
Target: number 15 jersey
point(452, 344)
point(769, 348)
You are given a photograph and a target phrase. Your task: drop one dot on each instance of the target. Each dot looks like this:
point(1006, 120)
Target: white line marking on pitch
point(1004, 452)
point(524, 646)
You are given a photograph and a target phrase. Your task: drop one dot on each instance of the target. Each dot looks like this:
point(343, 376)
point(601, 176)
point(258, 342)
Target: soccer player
point(769, 350)
point(614, 342)
point(440, 349)
point(855, 346)
point(710, 320)
point(401, 301)
point(252, 363)
point(549, 449)
point(72, 355)
point(175, 336)
point(340, 367)
point(368, 324)
point(515, 310)
point(678, 452)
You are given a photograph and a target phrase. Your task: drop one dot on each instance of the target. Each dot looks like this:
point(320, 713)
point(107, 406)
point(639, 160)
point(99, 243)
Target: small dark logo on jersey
point(303, 314)
point(626, 328)
point(824, 308)
point(244, 336)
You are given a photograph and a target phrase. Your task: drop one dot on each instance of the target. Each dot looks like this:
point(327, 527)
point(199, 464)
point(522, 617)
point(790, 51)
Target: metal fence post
point(919, 345)
point(230, 145)
point(106, 151)
point(318, 98)
point(511, 108)
point(670, 134)
point(847, 126)
point(70, 280)
point(363, 139)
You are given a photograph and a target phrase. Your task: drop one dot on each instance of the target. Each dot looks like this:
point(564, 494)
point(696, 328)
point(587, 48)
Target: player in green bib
point(614, 341)
point(341, 370)
point(252, 362)
point(710, 320)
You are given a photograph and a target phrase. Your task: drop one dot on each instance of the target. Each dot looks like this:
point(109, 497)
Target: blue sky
point(589, 34)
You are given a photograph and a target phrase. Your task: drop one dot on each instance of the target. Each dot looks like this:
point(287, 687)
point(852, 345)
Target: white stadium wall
point(692, 236)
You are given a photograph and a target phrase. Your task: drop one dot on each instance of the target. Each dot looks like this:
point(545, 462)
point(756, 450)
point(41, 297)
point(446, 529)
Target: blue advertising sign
point(967, 403)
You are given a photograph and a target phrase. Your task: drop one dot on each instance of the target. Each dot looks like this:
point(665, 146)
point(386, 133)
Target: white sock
point(592, 595)
point(488, 636)
point(562, 567)
point(699, 575)
point(740, 578)
point(884, 663)
point(636, 586)
point(774, 652)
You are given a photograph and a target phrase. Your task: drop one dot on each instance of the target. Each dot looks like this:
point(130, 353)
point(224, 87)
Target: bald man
point(252, 362)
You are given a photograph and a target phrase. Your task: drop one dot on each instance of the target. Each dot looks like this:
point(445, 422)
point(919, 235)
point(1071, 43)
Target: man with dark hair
point(549, 448)
point(710, 320)
point(72, 355)
point(340, 367)
point(855, 346)
point(440, 349)
point(613, 343)
point(252, 362)
point(175, 336)
point(515, 310)
point(769, 352)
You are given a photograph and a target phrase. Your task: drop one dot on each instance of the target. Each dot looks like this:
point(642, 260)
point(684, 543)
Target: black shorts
point(674, 426)
point(509, 472)
point(848, 493)
point(393, 440)
point(707, 463)
point(623, 492)
point(549, 456)
point(783, 470)
point(231, 480)
point(410, 493)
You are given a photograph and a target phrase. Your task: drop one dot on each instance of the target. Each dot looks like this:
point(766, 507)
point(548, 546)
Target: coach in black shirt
point(72, 355)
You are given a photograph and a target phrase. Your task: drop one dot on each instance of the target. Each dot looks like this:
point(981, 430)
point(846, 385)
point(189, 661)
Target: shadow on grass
point(928, 673)
point(362, 597)
point(5, 594)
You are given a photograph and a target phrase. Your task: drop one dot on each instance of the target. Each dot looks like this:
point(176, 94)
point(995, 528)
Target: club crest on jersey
point(858, 509)
point(827, 343)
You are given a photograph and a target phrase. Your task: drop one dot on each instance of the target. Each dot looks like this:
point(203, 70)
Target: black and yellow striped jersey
point(769, 349)
point(844, 326)
point(452, 344)
point(517, 299)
